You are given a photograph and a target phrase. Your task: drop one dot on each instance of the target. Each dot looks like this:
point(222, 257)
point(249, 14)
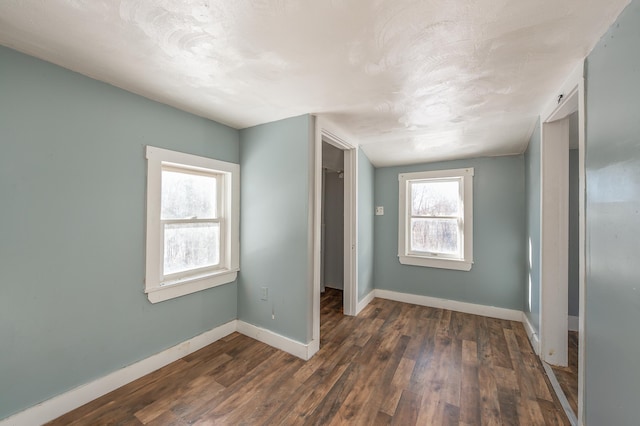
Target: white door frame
point(554, 227)
point(554, 241)
point(330, 133)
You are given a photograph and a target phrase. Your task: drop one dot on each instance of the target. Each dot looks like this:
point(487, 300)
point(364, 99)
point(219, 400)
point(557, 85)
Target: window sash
point(439, 254)
point(193, 271)
point(458, 180)
point(220, 183)
point(171, 278)
point(459, 218)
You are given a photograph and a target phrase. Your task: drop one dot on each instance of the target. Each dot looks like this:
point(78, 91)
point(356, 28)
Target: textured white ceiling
point(413, 80)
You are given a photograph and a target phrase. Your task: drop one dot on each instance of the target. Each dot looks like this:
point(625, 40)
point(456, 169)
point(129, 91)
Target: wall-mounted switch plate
point(264, 293)
point(379, 210)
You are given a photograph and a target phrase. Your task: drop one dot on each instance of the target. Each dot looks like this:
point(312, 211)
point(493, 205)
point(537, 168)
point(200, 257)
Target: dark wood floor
point(395, 363)
point(568, 376)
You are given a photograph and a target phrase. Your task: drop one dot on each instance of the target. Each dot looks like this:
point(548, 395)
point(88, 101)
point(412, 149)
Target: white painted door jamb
point(554, 241)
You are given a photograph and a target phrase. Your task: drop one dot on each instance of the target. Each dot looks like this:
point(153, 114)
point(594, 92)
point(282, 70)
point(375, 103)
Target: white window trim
point(158, 290)
point(408, 258)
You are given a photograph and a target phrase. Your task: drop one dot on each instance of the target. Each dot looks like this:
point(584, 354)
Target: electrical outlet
point(380, 211)
point(264, 293)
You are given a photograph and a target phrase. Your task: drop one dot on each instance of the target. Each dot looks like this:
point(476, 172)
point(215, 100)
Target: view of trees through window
point(188, 196)
point(435, 215)
point(190, 246)
point(190, 224)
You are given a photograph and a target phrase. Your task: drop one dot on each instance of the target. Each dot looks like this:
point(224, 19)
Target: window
point(192, 223)
point(436, 219)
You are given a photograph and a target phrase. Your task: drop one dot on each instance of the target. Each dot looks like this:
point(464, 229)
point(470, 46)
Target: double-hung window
point(192, 223)
point(436, 219)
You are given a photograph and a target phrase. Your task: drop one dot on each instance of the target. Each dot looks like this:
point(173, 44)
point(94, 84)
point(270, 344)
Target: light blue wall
point(72, 221)
point(612, 311)
point(574, 237)
point(499, 249)
point(274, 234)
point(532, 161)
point(366, 181)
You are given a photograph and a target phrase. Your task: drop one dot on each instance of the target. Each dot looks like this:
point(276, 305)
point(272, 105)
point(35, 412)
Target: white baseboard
point(574, 323)
point(365, 301)
point(532, 333)
point(295, 348)
point(65, 402)
point(453, 305)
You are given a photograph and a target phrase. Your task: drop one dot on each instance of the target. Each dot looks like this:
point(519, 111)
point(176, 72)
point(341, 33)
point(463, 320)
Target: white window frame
point(159, 287)
point(405, 255)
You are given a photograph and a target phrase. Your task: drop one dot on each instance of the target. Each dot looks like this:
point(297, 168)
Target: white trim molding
point(531, 333)
point(74, 398)
point(335, 131)
point(453, 305)
point(365, 301)
point(157, 284)
point(295, 348)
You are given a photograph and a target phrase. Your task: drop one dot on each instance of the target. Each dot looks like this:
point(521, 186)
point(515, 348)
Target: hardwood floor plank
point(451, 394)
point(551, 414)
point(271, 388)
point(382, 419)
point(314, 390)
point(508, 402)
point(390, 402)
point(525, 387)
point(499, 350)
point(368, 401)
point(489, 398)
point(167, 419)
point(329, 405)
point(470, 388)
point(433, 404)
point(395, 363)
point(451, 415)
point(164, 404)
point(407, 412)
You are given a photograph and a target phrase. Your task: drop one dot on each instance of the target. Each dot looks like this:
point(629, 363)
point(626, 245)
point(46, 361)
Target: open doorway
point(567, 375)
point(562, 246)
point(327, 133)
point(332, 233)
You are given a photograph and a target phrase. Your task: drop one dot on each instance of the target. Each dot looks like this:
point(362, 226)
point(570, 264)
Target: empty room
point(279, 212)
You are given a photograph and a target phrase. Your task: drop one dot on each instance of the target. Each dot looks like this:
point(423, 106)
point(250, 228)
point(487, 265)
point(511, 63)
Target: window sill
point(430, 262)
point(184, 286)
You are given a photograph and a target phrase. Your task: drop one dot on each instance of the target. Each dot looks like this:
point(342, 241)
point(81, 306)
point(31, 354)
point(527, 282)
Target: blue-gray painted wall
point(366, 192)
point(498, 244)
point(612, 311)
point(274, 227)
point(72, 215)
point(532, 162)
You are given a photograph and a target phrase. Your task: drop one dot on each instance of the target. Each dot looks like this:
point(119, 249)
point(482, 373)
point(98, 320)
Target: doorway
point(567, 375)
point(326, 132)
point(562, 284)
point(332, 233)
